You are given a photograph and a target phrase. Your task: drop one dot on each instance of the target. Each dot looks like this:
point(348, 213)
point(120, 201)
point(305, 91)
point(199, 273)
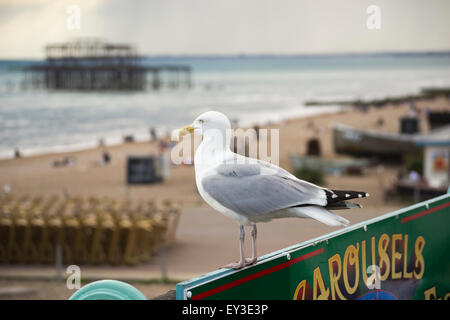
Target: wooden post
point(162, 258)
point(58, 262)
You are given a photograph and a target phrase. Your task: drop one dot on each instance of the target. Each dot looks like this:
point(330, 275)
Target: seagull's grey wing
point(247, 189)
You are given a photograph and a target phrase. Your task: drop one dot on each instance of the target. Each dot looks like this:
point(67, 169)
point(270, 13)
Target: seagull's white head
point(207, 122)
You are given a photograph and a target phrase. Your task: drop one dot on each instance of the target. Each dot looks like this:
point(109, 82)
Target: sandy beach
point(207, 240)
point(35, 175)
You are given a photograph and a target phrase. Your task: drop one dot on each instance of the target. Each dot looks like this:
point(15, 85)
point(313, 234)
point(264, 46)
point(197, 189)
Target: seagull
point(250, 190)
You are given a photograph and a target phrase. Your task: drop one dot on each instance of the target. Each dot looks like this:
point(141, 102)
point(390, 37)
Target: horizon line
point(271, 55)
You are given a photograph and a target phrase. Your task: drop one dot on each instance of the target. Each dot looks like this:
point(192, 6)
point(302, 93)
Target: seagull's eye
point(201, 121)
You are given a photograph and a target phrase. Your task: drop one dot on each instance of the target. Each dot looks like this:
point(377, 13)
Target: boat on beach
point(329, 166)
point(359, 142)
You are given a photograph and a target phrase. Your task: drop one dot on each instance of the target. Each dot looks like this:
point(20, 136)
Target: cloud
point(26, 27)
point(228, 27)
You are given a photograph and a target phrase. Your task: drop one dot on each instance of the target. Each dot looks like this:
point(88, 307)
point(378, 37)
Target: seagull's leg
point(254, 257)
point(241, 263)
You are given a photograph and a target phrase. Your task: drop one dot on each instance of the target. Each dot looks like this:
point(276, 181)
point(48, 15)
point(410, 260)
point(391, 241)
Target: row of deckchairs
point(86, 231)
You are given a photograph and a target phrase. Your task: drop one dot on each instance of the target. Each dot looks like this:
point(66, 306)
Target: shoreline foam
point(262, 119)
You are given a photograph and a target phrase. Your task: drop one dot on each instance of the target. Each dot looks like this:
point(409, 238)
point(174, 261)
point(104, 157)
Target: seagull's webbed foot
point(236, 265)
point(250, 261)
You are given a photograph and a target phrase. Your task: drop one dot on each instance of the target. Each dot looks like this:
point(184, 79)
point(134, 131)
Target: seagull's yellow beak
point(185, 130)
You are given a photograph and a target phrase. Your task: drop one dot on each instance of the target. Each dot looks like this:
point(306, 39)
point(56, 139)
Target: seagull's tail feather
point(342, 205)
point(320, 214)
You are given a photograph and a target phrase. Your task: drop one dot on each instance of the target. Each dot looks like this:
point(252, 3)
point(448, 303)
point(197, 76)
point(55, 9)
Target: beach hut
point(436, 146)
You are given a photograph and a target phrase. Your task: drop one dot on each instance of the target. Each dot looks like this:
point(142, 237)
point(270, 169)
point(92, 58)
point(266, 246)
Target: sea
point(249, 89)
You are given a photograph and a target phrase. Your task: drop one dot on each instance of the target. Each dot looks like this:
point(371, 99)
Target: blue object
point(108, 290)
point(378, 295)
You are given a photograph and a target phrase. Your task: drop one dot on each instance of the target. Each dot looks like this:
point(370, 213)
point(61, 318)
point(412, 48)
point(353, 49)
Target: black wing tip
point(339, 195)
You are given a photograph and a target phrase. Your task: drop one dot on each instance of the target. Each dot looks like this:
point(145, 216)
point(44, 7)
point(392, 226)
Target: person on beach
point(106, 157)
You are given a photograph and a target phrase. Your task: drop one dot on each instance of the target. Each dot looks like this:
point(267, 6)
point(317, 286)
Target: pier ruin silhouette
point(93, 64)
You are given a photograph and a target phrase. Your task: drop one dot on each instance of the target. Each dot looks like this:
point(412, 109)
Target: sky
point(227, 27)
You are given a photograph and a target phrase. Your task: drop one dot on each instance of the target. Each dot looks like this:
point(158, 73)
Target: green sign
point(400, 255)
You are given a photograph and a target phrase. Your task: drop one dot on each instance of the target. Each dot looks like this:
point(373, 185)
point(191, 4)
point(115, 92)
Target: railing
point(399, 255)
